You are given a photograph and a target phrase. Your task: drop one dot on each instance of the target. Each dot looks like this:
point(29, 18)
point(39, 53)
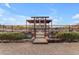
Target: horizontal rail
point(11, 28)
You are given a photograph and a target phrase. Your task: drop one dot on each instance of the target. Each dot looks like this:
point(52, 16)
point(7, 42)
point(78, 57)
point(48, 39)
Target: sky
point(60, 13)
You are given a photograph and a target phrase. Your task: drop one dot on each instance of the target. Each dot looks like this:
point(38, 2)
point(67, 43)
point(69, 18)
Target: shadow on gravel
point(59, 41)
point(55, 41)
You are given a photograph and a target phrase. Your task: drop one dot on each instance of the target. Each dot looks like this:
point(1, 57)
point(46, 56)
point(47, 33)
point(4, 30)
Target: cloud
point(7, 5)
point(57, 20)
point(10, 18)
point(76, 17)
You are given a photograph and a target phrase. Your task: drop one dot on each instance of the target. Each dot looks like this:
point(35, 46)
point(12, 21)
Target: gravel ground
point(28, 48)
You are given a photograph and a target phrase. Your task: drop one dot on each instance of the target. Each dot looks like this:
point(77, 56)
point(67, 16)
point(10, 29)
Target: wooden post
point(40, 25)
point(48, 27)
point(51, 25)
point(69, 28)
point(45, 26)
point(3, 28)
point(12, 28)
point(26, 25)
point(34, 27)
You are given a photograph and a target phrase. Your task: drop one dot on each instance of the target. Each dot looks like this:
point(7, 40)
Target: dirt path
point(37, 49)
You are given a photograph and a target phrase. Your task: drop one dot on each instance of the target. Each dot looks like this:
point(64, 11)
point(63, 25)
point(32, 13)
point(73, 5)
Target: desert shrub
point(68, 36)
point(13, 36)
point(52, 34)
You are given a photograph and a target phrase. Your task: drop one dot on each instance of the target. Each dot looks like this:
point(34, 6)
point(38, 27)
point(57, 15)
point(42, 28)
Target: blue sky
point(60, 13)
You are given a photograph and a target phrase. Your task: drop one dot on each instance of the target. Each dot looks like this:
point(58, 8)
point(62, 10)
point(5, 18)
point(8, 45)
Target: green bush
point(68, 36)
point(13, 36)
point(52, 34)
